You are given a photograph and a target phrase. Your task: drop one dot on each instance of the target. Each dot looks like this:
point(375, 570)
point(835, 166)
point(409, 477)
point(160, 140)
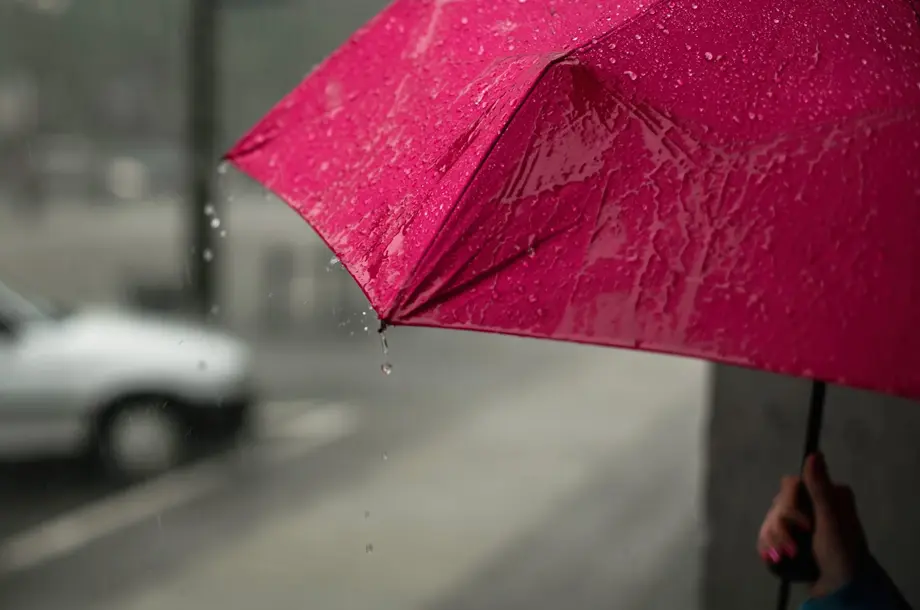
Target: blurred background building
point(93, 117)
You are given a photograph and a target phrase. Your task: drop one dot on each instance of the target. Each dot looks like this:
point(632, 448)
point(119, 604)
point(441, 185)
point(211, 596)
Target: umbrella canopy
point(737, 180)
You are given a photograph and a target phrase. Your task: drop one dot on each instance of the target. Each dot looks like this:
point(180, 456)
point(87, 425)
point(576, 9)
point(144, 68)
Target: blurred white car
point(132, 391)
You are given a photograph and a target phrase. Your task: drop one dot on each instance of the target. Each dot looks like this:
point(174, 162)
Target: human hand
point(839, 544)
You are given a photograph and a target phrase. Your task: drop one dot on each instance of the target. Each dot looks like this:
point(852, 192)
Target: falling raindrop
point(207, 255)
point(369, 548)
point(223, 167)
point(385, 457)
point(215, 222)
point(367, 514)
point(386, 368)
point(223, 233)
point(333, 261)
point(209, 210)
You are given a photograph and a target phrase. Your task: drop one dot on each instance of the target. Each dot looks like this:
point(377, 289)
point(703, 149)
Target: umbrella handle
point(803, 567)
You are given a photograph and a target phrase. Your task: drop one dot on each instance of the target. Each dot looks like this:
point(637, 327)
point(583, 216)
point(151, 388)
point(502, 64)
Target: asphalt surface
point(484, 472)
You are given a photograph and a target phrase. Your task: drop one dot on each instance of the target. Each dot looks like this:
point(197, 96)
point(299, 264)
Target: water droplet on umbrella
point(708, 56)
point(632, 75)
point(207, 255)
point(386, 368)
point(215, 222)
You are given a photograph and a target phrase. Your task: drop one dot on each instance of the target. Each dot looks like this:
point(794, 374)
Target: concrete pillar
point(756, 432)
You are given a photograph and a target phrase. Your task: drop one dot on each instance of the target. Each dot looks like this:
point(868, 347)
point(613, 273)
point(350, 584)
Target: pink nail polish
point(774, 555)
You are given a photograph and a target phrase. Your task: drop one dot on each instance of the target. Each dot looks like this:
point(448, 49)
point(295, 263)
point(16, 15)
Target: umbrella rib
point(441, 297)
point(403, 296)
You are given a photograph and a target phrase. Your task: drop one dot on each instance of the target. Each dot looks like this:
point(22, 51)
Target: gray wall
point(756, 432)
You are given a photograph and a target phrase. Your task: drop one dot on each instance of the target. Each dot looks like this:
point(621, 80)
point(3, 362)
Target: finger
point(844, 496)
point(775, 542)
point(788, 488)
point(818, 482)
point(798, 519)
point(845, 506)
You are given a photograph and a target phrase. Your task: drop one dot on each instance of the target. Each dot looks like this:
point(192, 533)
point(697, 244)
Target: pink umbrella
point(736, 180)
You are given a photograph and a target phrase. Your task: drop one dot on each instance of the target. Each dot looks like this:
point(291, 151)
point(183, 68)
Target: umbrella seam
point(399, 301)
point(400, 297)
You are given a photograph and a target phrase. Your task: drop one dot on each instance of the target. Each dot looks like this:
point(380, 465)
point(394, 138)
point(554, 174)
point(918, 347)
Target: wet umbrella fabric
point(736, 180)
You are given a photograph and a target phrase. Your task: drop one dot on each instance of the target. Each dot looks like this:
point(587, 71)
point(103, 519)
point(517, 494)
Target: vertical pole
point(202, 155)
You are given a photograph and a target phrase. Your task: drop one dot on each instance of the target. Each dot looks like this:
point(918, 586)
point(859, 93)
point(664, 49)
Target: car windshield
point(15, 306)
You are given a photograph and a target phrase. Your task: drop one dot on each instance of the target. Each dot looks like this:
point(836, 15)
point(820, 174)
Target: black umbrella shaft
point(815, 419)
point(812, 438)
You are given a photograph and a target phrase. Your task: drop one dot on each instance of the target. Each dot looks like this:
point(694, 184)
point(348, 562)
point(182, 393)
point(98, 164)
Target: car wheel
point(141, 438)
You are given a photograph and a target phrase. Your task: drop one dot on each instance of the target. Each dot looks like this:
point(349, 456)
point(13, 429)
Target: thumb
point(818, 481)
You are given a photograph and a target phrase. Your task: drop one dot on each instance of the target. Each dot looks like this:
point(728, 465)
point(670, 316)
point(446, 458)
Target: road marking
point(313, 428)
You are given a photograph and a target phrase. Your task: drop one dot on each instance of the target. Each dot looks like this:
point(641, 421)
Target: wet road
point(485, 472)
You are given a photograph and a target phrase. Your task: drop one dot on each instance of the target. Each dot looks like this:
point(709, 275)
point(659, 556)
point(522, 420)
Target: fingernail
point(774, 555)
